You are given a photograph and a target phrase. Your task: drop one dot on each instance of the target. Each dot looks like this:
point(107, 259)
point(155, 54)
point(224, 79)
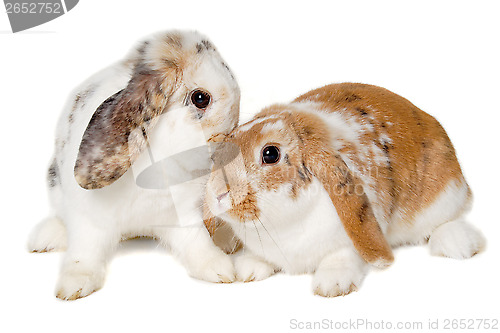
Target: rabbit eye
point(200, 99)
point(270, 155)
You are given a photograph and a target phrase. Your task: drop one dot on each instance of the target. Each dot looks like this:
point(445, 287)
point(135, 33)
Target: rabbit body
point(360, 170)
point(95, 199)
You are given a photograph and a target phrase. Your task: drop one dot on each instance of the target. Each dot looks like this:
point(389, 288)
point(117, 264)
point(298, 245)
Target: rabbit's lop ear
point(116, 134)
point(345, 190)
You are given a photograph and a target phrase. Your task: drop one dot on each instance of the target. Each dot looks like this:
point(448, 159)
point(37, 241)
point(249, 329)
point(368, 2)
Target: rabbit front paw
point(339, 274)
point(217, 268)
point(76, 282)
point(252, 268)
point(336, 283)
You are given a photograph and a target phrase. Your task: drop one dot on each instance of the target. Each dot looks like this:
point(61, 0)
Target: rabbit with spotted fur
point(172, 93)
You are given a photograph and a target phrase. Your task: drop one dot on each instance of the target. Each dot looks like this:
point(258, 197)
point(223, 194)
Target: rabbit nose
point(222, 196)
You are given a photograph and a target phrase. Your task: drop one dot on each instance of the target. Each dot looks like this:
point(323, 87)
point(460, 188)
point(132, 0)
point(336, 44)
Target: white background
point(441, 55)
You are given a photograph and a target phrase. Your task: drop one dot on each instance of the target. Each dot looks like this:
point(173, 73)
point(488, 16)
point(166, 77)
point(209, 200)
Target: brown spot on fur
point(204, 45)
point(352, 98)
point(142, 48)
point(345, 180)
point(208, 45)
point(363, 211)
point(53, 174)
point(80, 100)
point(228, 69)
point(362, 111)
point(286, 159)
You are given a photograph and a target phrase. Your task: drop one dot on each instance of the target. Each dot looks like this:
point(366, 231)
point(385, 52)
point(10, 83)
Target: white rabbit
point(329, 183)
point(171, 94)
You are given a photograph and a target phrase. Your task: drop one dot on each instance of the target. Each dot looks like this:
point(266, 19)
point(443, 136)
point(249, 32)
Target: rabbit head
point(176, 70)
point(264, 168)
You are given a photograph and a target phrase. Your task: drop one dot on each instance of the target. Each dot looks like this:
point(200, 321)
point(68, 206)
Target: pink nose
point(222, 196)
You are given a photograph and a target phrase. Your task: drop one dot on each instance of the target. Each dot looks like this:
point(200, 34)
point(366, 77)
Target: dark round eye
point(270, 155)
point(200, 99)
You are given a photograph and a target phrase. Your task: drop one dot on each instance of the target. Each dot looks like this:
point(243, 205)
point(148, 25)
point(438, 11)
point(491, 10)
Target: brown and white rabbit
point(329, 183)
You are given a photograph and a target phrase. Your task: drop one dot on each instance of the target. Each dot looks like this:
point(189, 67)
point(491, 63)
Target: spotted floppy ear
point(345, 190)
point(116, 134)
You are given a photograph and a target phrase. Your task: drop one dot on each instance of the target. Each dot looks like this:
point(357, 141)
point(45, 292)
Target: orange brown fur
point(422, 157)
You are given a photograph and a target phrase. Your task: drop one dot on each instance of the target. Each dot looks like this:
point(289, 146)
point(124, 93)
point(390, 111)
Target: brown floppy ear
point(345, 190)
point(116, 134)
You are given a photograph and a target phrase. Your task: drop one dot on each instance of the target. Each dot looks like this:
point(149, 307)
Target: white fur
point(254, 122)
point(273, 127)
point(299, 236)
point(456, 239)
point(50, 235)
point(96, 220)
point(450, 204)
point(292, 234)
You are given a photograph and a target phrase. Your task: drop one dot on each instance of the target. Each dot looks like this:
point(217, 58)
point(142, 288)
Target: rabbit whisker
point(272, 239)
point(258, 235)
